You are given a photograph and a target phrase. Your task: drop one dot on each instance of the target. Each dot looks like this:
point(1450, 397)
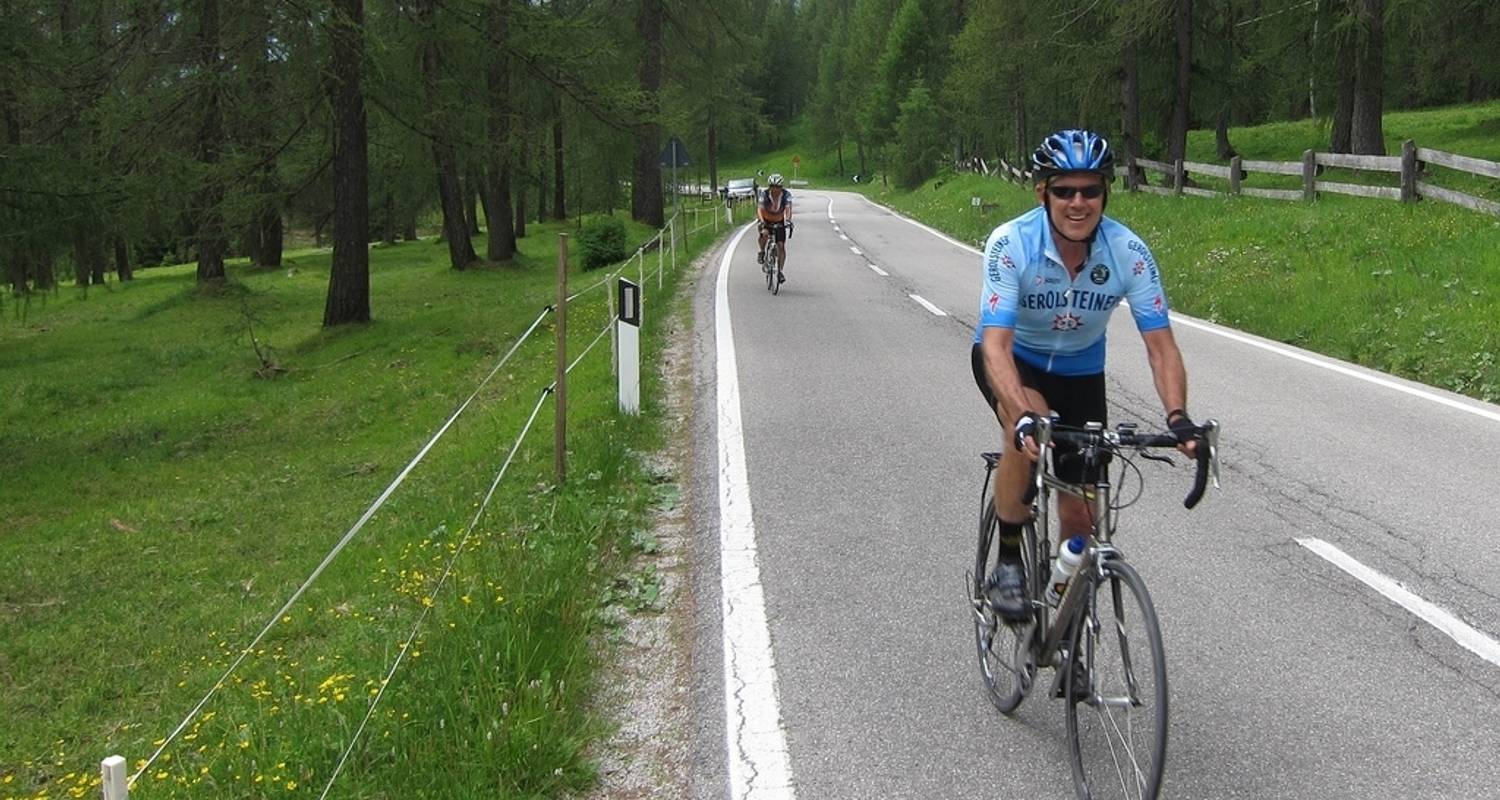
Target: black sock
point(1009, 549)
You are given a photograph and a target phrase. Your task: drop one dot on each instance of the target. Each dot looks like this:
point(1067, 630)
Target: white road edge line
point(1254, 341)
point(759, 763)
point(878, 271)
point(856, 250)
point(930, 307)
point(1469, 638)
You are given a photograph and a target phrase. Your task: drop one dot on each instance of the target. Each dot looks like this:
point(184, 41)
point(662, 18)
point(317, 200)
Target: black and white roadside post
point(629, 326)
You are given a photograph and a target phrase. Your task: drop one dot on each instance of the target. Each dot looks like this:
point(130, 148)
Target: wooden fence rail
point(1410, 166)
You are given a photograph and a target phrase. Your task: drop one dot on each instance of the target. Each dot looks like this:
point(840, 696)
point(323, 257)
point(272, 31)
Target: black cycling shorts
point(778, 229)
point(1075, 400)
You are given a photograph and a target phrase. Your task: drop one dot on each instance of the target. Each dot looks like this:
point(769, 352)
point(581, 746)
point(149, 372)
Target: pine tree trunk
point(388, 221)
point(1342, 134)
point(1367, 136)
point(450, 191)
point(44, 273)
point(122, 260)
point(520, 211)
point(540, 181)
point(559, 184)
point(713, 153)
point(1130, 114)
point(1182, 84)
point(272, 237)
point(16, 270)
point(473, 188)
point(210, 213)
point(349, 278)
point(1224, 149)
point(502, 241)
point(1023, 144)
point(645, 185)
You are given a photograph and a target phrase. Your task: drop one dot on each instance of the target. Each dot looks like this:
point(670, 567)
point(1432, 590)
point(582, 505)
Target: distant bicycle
point(773, 256)
point(1102, 638)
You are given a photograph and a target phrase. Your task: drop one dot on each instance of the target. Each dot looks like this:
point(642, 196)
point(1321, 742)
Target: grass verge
point(169, 496)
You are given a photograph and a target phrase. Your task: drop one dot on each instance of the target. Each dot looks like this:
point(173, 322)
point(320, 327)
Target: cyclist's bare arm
point(1168, 372)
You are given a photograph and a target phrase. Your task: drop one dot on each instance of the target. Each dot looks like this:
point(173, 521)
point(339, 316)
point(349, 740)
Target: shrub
point(602, 241)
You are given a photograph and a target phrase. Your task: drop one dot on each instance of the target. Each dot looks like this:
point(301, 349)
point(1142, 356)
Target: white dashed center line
point(930, 307)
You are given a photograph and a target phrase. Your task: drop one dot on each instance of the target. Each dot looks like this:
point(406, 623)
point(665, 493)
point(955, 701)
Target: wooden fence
point(1410, 166)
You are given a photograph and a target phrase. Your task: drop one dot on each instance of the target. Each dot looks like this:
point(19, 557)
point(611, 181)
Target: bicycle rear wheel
point(1117, 704)
point(1006, 661)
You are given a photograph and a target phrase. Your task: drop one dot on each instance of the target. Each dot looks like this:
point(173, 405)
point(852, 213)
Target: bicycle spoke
point(1117, 721)
point(1005, 660)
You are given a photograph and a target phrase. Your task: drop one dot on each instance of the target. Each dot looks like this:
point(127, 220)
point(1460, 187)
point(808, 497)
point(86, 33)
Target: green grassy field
point(165, 500)
point(1409, 289)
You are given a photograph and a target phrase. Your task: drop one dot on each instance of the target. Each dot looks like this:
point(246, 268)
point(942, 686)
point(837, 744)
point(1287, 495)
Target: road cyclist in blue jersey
point(774, 210)
point(1052, 277)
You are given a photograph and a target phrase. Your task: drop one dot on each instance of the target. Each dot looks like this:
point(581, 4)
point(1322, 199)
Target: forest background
point(139, 132)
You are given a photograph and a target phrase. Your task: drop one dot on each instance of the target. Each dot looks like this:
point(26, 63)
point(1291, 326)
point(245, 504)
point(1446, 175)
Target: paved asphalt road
point(1289, 677)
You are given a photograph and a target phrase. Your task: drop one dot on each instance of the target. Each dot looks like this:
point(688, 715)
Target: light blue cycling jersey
point(1060, 323)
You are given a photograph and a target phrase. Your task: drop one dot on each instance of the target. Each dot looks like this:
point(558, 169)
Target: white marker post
point(629, 327)
point(112, 771)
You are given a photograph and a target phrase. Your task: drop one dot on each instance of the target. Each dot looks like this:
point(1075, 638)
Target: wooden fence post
point(1234, 175)
point(560, 388)
point(1408, 171)
point(1179, 176)
point(1309, 175)
point(1130, 185)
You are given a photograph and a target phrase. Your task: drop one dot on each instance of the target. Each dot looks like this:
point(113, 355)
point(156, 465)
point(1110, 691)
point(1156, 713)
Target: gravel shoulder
point(648, 696)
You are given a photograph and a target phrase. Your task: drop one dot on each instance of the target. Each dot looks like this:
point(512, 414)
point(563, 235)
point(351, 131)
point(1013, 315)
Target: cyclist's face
point(1078, 215)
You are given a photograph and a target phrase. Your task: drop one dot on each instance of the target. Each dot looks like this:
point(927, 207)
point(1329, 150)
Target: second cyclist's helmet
point(1073, 150)
point(774, 180)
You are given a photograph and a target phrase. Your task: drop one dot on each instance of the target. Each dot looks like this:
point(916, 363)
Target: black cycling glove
point(1181, 426)
point(1025, 426)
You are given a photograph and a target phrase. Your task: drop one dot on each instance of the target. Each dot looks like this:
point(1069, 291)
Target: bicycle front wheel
point(1117, 699)
point(1006, 662)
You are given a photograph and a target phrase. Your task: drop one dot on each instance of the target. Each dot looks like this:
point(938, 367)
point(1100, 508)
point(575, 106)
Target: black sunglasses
point(1093, 192)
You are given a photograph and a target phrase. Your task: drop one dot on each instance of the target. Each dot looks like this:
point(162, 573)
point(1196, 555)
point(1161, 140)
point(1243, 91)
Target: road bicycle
point(1102, 638)
point(773, 257)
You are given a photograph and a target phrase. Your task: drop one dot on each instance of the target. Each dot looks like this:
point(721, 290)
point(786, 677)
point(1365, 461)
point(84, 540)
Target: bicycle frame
point(1097, 549)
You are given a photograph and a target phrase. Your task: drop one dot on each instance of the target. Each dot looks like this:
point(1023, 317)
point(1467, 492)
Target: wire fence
point(672, 236)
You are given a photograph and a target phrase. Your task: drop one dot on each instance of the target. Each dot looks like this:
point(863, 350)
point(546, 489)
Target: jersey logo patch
point(1066, 321)
point(994, 301)
point(1099, 274)
point(1140, 266)
point(1159, 304)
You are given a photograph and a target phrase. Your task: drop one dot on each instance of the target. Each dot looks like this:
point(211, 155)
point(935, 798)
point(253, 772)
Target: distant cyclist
point(775, 205)
point(1052, 276)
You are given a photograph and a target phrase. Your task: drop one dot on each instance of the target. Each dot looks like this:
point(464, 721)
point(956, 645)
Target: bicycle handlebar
point(1124, 436)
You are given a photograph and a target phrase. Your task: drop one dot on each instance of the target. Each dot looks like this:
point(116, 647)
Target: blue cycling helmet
point(1073, 150)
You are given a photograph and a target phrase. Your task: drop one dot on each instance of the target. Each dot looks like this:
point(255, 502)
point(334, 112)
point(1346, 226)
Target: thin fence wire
point(609, 326)
point(337, 548)
point(406, 646)
point(639, 253)
point(400, 478)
